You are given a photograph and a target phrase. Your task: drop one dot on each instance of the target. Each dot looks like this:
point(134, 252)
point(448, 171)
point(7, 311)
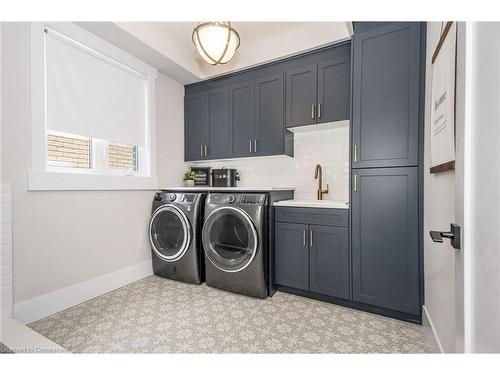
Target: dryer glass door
point(230, 239)
point(169, 233)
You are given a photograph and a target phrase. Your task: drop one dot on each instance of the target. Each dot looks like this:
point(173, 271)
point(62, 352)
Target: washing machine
point(234, 238)
point(174, 233)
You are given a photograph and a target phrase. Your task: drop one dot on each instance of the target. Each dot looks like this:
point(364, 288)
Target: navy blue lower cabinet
point(329, 261)
point(385, 239)
point(291, 255)
point(310, 256)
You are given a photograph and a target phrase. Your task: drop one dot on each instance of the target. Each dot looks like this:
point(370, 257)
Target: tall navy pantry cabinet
point(386, 179)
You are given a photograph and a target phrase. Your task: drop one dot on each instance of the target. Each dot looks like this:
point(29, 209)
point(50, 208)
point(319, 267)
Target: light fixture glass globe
point(216, 42)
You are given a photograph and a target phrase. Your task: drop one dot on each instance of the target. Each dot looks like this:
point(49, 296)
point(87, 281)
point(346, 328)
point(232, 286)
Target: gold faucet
point(318, 175)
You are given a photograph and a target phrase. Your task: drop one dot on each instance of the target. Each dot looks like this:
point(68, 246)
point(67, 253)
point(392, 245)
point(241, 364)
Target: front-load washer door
point(169, 233)
point(229, 239)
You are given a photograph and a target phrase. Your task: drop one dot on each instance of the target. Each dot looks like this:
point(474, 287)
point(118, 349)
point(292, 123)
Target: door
point(301, 87)
point(329, 261)
point(269, 115)
point(334, 90)
point(241, 119)
point(385, 251)
point(447, 299)
point(218, 131)
point(195, 126)
point(291, 255)
point(169, 233)
point(386, 96)
point(229, 239)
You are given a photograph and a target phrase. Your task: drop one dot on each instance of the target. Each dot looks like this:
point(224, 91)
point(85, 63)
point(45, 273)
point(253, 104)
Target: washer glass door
point(169, 233)
point(229, 239)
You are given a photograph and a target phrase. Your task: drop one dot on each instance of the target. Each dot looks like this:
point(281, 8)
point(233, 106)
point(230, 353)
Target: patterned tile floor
point(156, 315)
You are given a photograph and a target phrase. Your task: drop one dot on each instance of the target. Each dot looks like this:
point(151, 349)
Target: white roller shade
point(92, 95)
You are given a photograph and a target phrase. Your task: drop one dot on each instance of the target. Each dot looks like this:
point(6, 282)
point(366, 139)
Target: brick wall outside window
point(121, 157)
point(67, 151)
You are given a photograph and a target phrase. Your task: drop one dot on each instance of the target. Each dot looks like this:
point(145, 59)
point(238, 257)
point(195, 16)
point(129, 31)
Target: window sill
point(47, 181)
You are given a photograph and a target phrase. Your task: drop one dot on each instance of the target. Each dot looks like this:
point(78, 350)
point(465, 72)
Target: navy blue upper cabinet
point(261, 102)
point(269, 115)
point(206, 125)
point(194, 126)
point(385, 241)
point(217, 125)
point(319, 93)
point(386, 83)
point(301, 96)
point(334, 90)
point(241, 119)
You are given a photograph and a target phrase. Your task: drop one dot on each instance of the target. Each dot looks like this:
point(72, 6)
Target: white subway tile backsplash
point(329, 147)
point(6, 249)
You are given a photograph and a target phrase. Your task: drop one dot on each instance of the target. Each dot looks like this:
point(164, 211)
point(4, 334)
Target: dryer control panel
point(237, 198)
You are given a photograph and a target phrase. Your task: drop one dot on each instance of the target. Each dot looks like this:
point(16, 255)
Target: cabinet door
point(301, 87)
point(334, 90)
point(386, 78)
point(269, 115)
point(291, 255)
point(218, 130)
point(385, 238)
point(194, 131)
point(241, 118)
point(329, 261)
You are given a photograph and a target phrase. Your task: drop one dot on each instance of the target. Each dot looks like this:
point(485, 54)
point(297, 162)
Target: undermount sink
point(312, 203)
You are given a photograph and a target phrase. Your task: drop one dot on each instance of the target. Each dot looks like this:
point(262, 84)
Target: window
point(68, 151)
point(92, 113)
point(122, 157)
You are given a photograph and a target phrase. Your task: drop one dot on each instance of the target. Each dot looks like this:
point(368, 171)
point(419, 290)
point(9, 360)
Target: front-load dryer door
point(169, 233)
point(229, 239)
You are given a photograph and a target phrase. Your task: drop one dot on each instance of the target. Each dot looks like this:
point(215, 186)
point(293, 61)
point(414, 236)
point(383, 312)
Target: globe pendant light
point(216, 41)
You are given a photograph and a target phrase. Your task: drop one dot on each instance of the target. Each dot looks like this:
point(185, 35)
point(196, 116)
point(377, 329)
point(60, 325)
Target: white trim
point(62, 299)
point(466, 244)
point(427, 317)
point(42, 178)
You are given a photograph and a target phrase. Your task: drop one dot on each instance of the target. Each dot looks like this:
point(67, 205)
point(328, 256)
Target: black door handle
point(453, 235)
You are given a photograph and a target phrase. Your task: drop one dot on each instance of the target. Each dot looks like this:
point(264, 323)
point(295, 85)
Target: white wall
point(62, 238)
point(485, 202)
point(330, 148)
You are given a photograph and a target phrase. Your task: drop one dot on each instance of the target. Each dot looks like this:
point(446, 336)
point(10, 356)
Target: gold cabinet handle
point(312, 110)
point(319, 110)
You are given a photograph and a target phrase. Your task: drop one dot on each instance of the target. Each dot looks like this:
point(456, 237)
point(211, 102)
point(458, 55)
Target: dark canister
point(224, 177)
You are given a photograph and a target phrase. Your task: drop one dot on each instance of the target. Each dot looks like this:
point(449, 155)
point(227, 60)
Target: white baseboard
point(51, 303)
point(427, 322)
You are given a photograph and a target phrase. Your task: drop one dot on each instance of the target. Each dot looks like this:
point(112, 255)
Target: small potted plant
point(189, 178)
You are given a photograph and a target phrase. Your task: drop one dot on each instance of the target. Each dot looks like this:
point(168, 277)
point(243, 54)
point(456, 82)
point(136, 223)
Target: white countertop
point(239, 188)
point(312, 204)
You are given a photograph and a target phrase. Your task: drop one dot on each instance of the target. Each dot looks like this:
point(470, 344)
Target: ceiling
point(250, 32)
point(168, 45)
